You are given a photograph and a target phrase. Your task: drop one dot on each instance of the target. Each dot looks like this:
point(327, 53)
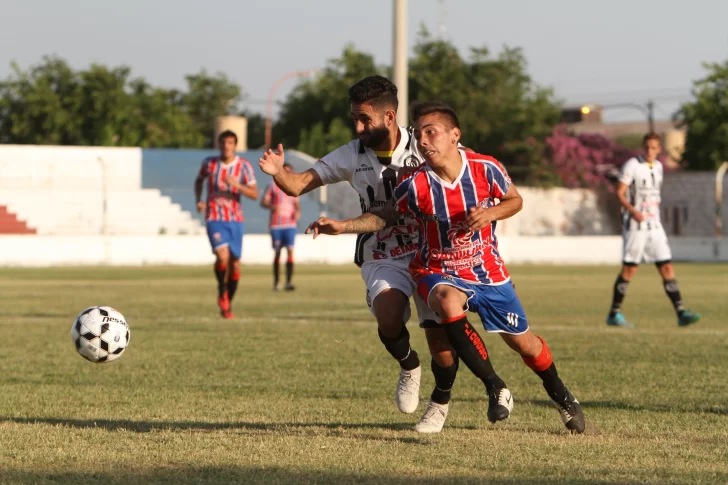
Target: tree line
point(503, 111)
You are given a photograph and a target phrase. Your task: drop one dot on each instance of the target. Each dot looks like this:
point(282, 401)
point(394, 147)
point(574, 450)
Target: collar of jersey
point(219, 159)
point(455, 182)
point(404, 142)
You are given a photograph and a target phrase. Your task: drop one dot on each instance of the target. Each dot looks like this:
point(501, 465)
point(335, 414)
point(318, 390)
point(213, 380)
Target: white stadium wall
point(42, 251)
point(62, 192)
point(86, 190)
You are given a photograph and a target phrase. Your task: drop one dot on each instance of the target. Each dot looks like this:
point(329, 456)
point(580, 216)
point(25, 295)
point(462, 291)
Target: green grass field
point(298, 389)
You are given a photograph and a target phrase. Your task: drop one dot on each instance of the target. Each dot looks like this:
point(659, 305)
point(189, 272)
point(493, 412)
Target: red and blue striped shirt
point(283, 207)
point(447, 245)
point(223, 200)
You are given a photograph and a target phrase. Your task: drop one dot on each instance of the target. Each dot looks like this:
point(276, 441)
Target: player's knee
point(389, 308)
point(666, 270)
point(526, 344)
point(223, 259)
point(444, 300)
point(628, 271)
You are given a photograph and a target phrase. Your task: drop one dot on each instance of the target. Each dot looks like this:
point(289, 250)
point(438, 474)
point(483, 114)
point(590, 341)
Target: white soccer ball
point(100, 334)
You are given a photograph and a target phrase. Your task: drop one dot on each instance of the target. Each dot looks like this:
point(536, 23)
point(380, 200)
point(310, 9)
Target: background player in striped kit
point(643, 237)
point(285, 212)
point(457, 266)
point(228, 177)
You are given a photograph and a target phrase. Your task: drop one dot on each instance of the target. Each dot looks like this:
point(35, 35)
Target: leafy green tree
point(208, 97)
point(706, 119)
point(323, 100)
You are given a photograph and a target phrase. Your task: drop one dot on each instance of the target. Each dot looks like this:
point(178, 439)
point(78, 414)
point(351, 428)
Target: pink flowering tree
point(585, 160)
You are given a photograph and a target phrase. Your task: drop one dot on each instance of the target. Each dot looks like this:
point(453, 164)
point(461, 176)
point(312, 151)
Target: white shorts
point(380, 276)
point(645, 246)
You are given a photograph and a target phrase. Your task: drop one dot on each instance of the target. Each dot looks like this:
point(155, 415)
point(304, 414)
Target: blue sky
point(588, 51)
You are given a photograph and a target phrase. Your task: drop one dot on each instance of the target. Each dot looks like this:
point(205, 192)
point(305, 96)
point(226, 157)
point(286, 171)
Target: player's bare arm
point(291, 183)
point(265, 202)
point(363, 224)
point(509, 205)
point(249, 191)
point(199, 182)
point(622, 189)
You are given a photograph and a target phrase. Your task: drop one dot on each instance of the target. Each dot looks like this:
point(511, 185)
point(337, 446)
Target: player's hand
point(324, 225)
point(201, 207)
point(478, 218)
point(637, 216)
point(230, 180)
point(272, 162)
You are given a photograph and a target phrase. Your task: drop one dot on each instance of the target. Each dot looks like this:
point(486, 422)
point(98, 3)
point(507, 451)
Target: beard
point(375, 137)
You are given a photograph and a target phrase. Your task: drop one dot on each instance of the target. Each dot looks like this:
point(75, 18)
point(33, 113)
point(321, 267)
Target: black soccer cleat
point(571, 413)
point(500, 404)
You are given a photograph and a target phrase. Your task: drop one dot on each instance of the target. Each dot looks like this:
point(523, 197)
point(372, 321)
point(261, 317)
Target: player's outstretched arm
point(510, 204)
point(291, 183)
point(364, 223)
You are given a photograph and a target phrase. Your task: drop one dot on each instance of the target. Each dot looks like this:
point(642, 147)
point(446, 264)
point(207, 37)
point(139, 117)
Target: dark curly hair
point(377, 90)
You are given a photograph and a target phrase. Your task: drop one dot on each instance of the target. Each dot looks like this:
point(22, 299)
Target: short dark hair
point(421, 109)
point(227, 134)
point(651, 136)
point(377, 90)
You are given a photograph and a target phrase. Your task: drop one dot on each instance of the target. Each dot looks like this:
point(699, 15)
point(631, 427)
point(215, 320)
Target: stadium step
point(10, 224)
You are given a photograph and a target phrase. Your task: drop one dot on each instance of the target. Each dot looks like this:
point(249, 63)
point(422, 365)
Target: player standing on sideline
point(285, 212)
point(371, 164)
point(229, 177)
point(457, 266)
point(643, 237)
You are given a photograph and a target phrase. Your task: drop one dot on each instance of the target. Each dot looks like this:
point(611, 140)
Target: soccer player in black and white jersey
point(643, 237)
point(371, 164)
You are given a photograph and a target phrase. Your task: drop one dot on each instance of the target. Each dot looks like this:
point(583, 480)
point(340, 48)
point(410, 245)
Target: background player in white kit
point(372, 164)
point(643, 237)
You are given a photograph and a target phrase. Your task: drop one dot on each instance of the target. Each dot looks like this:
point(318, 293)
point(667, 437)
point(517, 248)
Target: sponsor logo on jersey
point(460, 234)
point(388, 232)
point(364, 168)
point(411, 161)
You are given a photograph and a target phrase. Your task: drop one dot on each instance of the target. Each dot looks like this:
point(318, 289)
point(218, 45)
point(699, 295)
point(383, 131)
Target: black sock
point(620, 289)
point(289, 271)
point(232, 285)
point(553, 384)
point(399, 348)
point(673, 292)
point(444, 380)
point(470, 348)
point(220, 275)
point(276, 272)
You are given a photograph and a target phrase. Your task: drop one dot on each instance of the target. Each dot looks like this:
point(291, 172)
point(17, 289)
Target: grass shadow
point(149, 426)
point(659, 408)
point(169, 473)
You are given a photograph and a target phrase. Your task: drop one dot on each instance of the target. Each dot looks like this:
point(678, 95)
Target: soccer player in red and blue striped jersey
point(452, 197)
point(228, 178)
point(285, 211)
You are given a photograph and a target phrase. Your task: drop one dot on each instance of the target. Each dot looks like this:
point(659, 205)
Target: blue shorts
point(222, 233)
point(284, 237)
point(499, 308)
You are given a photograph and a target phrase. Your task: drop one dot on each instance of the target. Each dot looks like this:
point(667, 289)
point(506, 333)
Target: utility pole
point(399, 60)
point(651, 115)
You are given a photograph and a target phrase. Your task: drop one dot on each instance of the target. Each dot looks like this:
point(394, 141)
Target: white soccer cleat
point(434, 418)
point(408, 390)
